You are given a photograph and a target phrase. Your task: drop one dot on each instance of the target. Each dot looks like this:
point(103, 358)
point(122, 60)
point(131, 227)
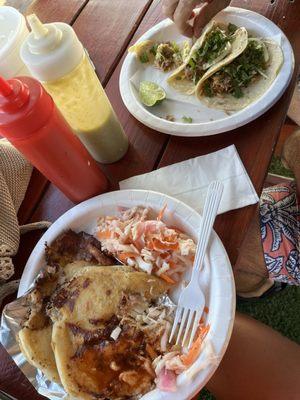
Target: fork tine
point(195, 326)
point(188, 325)
point(182, 323)
point(175, 323)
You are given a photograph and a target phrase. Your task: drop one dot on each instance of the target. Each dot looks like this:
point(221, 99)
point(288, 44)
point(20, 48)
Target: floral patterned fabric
point(280, 232)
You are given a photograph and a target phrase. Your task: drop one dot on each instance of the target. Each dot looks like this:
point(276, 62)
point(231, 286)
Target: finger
point(169, 7)
point(206, 13)
point(182, 15)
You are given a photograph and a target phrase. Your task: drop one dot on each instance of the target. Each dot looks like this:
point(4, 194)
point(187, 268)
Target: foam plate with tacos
point(235, 71)
point(96, 302)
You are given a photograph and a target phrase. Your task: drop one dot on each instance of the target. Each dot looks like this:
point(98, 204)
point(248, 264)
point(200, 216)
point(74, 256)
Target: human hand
point(181, 11)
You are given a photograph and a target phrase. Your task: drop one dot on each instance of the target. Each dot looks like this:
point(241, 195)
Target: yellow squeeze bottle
point(54, 55)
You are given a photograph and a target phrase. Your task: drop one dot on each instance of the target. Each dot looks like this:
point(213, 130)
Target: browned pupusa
point(91, 364)
point(69, 253)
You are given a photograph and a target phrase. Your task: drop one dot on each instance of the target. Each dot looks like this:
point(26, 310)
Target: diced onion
point(116, 333)
point(164, 268)
point(147, 267)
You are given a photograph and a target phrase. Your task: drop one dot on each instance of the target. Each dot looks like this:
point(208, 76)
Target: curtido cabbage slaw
point(149, 245)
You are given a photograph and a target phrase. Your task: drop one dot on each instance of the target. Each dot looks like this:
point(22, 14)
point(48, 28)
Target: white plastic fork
point(192, 301)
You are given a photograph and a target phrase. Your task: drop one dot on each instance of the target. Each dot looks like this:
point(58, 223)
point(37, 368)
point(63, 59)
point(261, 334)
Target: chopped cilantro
point(175, 47)
point(237, 92)
point(207, 89)
point(231, 28)
point(144, 58)
point(187, 120)
point(196, 78)
point(237, 75)
point(192, 63)
point(153, 49)
point(213, 46)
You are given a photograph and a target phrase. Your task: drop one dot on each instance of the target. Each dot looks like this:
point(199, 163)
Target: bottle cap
point(44, 39)
point(25, 107)
point(50, 51)
point(13, 31)
point(13, 95)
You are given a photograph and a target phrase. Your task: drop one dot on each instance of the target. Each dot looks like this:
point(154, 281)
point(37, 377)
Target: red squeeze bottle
point(30, 120)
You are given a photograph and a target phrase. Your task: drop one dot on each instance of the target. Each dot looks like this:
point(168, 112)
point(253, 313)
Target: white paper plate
point(206, 121)
point(216, 277)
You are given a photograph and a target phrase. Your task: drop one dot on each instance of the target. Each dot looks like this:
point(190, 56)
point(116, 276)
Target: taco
point(242, 78)
point(166, 56)
point(214, 45)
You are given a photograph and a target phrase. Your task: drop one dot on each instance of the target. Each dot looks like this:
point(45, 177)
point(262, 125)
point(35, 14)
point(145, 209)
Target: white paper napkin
point(188, 180)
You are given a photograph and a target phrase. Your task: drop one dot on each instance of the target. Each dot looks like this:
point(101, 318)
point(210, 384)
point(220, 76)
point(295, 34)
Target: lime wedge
point(151, 93)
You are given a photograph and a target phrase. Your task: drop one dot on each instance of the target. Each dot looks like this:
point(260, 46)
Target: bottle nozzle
point(44, 37)
point(13, 95)
point(5, 88)
point(38, 29)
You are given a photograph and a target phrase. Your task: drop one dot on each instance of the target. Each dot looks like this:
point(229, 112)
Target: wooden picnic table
point(107, 28)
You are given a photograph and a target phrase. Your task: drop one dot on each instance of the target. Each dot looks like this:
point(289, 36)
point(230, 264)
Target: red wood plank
point(146, 144)
point(256, 141)
point(13, 381)
point(105, 27)
point(56, 10)
point(285, 132)
point(36, 188)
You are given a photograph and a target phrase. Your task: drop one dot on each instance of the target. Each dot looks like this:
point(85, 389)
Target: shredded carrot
point(192, 258)
point(123, 256)
point(167, 279)
point(161, 213)
point(172, 264)
point(189, 358)
point(105, 234)
point(136, 244)
point(159, 245)
point(206, 310)
point(171, 238)
point(149, 244)
point(164, 255)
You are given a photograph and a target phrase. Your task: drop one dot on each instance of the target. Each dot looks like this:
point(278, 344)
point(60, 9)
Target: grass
point(276, 167)
point(281, 311)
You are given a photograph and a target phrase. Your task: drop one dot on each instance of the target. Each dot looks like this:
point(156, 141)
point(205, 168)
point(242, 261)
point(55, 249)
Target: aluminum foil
point(13, 315)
